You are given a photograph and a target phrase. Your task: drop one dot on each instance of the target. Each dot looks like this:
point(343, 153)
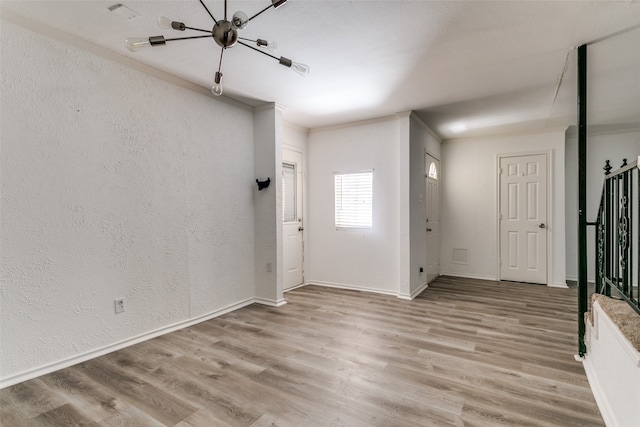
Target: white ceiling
point(466, 67)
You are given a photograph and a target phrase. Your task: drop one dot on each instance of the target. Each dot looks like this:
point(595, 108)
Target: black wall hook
point(263, 184)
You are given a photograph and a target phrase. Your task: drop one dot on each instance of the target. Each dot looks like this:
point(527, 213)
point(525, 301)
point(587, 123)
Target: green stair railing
point(617, 237)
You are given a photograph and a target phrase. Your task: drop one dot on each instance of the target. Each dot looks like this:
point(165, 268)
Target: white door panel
point(292, 221)
point(523, 218)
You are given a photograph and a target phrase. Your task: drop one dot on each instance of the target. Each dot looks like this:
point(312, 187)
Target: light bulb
point(216, 89)
point(136, 43)
point(267, 44)
point(302, 69)
point(164, 22)
point(240, 20)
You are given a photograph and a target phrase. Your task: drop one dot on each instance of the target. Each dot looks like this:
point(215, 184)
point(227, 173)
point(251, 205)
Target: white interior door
point(432, 214)
point(523, 218)
point(292, 222)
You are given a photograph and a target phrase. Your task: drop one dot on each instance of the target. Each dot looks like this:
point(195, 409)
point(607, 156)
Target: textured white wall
point(114, 184)
point(359, 259)
point(469, 200)
point(421, 140)
point(601, 146)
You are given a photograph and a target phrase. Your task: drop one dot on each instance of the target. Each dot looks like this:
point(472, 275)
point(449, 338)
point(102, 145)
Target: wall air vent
point(123, 11)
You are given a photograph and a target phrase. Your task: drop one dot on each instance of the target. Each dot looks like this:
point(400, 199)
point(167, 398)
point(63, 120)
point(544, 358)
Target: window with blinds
point(354, 200)
point(289, 192)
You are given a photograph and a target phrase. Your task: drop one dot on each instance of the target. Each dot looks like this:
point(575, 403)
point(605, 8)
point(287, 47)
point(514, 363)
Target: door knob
point(428, 229)
point(300, 228)
point(542, 225)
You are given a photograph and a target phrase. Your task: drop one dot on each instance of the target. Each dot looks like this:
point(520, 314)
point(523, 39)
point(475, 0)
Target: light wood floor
point(464, 353)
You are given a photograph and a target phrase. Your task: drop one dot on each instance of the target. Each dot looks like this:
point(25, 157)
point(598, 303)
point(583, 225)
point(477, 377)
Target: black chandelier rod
point(274, 4)
point(198, 29)
point(207, 9)
point(187, 38)
point(261, 12)
point(221, 55)
point(254, 41)
point(258, 50)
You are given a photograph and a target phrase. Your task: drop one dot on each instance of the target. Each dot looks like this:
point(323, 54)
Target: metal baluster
point(623, 230)
point(631, 230)
point(607, 227)
point(599, 246)
point(616, 213)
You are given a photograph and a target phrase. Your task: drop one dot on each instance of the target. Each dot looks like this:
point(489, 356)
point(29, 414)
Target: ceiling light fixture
point(225, 34)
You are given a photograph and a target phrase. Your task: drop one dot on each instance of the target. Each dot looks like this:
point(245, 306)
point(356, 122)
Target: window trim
point(358, 225)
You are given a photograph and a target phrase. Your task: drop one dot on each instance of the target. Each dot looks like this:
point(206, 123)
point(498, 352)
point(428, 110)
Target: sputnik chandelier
point(225, 34)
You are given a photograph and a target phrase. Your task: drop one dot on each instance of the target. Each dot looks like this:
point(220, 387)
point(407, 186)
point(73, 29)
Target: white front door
point(523, 218)
point(432, 214)
point(292, 225)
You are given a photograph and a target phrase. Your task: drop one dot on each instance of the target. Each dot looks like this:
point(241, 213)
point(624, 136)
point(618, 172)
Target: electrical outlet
point(269, 267)
point(119, 305)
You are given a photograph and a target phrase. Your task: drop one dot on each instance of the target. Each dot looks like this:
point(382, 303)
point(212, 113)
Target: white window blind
point(288, 192)
point(354, 200)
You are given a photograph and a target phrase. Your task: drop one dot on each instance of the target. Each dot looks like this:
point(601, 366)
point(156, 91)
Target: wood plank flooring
point(464, 353)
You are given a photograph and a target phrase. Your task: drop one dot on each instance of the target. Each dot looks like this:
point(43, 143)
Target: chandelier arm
point(221, 55)
point(248, 40)
point(258, 50)
point(198, 29)
point(261, 12)
point(207, 9)
point(187, 38)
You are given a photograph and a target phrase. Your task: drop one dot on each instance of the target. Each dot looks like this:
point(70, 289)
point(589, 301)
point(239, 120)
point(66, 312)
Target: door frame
point(424, 224)
point(299, 170)
point(550, 225)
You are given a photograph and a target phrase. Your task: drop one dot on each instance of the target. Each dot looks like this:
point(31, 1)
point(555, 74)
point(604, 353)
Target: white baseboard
point(558, 285)
point(415, 293)
point(296, 287)
point(493, 278)
point(271, 303)
point(74, 360)
point(468, 276)
point(352, 287)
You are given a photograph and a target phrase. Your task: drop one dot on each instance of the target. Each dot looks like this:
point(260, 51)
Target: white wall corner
point(404, 169)
point(418, 120)
point(414, 294)
point(558, 285)
point(270, 303)
point(268, 133)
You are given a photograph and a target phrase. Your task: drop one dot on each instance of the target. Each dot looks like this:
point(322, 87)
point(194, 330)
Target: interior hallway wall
point(362, 259)
point(469, 201)
point(115, 184)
